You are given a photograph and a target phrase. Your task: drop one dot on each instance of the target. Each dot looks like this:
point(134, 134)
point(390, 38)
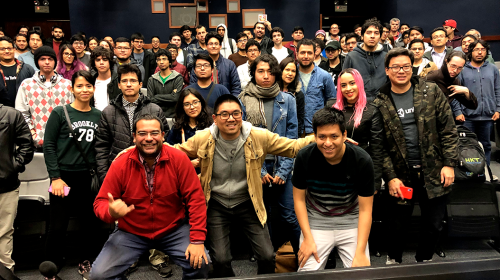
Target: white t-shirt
point(280, 54)
point(101, 98)
point(180, 57)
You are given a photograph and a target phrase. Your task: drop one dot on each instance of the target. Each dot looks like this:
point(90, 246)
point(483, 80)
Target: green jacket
point(437, 135)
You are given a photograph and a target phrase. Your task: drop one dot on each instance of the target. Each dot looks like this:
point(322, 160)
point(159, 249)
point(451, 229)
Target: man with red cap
point(454, 40)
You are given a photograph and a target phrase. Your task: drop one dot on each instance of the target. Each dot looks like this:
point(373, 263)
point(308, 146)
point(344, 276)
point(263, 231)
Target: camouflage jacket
point(437, 136)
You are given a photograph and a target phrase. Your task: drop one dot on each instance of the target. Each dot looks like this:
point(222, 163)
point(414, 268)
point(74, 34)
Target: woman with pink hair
point(68, 63)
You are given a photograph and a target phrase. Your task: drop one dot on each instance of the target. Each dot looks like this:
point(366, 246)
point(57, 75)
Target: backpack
point(471, 157)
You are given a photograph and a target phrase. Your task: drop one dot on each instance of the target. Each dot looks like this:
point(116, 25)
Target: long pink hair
point(360, 105)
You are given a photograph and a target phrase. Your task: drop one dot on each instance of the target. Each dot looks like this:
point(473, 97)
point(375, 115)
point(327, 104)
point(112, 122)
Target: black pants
point(433, 212)
point(79, 203)
point(219, 221)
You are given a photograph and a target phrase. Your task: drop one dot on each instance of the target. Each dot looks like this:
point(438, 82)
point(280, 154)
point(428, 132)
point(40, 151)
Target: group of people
point(352, 109)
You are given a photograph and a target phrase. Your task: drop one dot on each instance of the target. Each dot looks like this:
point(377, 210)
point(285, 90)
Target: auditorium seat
point(35, 181)
point(170, 122)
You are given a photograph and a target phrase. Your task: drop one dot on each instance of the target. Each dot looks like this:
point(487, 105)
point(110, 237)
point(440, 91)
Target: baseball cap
point(450, 23)
point(334, 44)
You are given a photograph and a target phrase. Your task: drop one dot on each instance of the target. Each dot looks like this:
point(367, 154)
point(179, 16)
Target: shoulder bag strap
point(78, 146)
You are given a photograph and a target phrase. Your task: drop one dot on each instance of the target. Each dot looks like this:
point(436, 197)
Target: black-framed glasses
point(225, 115)
point(396, 69)
point(195, 104)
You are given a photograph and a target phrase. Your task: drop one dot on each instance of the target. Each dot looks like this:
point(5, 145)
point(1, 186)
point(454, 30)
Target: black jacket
point(113, 90)
point(25, 72)
point(14, 131)
point(149, 64)
point(114, 135)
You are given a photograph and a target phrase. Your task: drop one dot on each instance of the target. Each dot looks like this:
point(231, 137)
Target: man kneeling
point(148, 189)
point(336, 209)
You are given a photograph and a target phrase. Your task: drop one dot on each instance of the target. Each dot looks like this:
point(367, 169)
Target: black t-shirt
point(415, 71)
point(406, 112)
point(9, 73)
point(334, 72)
point(333, 190)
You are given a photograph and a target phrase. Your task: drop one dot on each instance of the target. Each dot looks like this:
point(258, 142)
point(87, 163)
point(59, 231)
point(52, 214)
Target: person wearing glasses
point(209, 90)
point(252, 48)
point(232, 153)
point(240, 57)
point(165, 86)
point(418, 148)
point(115, 128)
point(67, 62)
point(15, 70)
point(143, 58)
point(482, 78)
point(224, 71)
point(439, 49)
point(79, 43)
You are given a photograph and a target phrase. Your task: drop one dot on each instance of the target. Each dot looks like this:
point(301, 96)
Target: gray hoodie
point(229, 177)
point(165, 94)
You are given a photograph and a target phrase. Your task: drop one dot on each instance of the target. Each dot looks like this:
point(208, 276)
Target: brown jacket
point(258, 144)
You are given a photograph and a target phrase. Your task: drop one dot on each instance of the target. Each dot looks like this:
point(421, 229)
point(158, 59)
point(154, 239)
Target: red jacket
point(157, 213)
point(292, 47)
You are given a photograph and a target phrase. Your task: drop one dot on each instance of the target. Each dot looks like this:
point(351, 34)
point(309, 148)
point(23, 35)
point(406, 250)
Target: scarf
point(252, 97)
point(424, 63)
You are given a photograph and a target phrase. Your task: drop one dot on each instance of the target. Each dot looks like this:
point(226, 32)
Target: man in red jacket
point(148, 190)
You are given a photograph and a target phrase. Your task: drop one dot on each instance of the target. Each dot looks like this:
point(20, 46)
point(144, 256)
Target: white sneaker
point(495, 178)
point(391, 261)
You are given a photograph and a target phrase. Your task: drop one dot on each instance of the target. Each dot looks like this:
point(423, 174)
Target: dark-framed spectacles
point(225, 115)
point(396, 69)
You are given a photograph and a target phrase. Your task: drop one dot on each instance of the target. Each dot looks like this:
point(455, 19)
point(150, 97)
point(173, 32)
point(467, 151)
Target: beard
point(19, 49)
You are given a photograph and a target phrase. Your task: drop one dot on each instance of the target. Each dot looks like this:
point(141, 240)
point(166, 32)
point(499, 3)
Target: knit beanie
point(44, 51)
point(320, 32)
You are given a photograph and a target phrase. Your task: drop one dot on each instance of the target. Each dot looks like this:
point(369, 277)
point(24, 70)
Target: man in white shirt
point(278, 50)
point(101, 60)
point(253, 51)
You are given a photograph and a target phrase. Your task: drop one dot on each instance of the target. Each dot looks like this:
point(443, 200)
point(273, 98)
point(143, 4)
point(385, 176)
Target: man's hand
point(118, 208)
point(267, 179)
point(196, 253)
point(447, 176)
point(460, 118)
point(195, 162)
point(268, 25)
point(307, 249)
point(360, 259)
point(278, 181)
point(124, 151)
point(33, 134)
point(495, 116)
point(394, 188)
point(349, 140)
point(58, 187)
point(459, 90)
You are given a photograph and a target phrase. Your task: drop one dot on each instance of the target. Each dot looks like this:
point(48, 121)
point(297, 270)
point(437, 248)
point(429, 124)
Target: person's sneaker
point(52, 278)
point(84, 270)
point(163, 269)
point(495, 178)
point(132, 268)
point(391, 261)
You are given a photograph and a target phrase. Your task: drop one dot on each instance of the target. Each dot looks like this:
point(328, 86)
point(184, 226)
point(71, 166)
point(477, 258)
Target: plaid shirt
point(150, 172)
point(193, 49)
point(130, 108)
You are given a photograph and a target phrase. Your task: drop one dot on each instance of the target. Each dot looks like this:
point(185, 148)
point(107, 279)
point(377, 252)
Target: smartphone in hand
point(66, 190)
point(407, 192)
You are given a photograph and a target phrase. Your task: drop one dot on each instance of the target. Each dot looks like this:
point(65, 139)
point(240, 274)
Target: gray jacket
point(165, 94)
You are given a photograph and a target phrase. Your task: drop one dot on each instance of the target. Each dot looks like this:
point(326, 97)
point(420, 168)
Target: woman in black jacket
point(289, 82)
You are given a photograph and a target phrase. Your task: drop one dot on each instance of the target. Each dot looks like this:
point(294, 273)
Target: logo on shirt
point(401, 111)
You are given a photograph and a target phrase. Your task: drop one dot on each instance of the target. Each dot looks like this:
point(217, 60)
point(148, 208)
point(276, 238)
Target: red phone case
point(407, 192)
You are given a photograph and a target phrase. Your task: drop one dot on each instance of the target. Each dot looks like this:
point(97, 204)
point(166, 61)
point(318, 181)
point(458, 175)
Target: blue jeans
point(123, 248)
point(281, 196)
point(483, 130)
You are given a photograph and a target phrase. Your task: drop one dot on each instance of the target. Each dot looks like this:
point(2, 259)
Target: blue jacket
point(228, 76)
point(285, 124)
point(485, 84)
point(319, 90)
point(371, 67)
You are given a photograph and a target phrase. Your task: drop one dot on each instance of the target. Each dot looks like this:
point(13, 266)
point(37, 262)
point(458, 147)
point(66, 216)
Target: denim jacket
point(285, 124)
point(319, 90)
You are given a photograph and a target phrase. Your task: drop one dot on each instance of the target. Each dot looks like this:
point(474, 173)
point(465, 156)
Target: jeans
point(219, 221)
point(123, 248)
point(279, 198)
point(79, 202)
point(433, 212)
point(483, 130)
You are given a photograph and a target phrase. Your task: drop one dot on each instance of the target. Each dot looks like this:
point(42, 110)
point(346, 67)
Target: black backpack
point(471, 157)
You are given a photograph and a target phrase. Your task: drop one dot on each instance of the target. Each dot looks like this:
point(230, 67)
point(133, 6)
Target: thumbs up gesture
point(118, 208)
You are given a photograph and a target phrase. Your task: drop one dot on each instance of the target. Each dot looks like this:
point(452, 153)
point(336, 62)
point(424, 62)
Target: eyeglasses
point(213, 44)
point(144, 134)
point(242, 40)
point(225, 115)
point(396, 69)
point(123, 48)
point(253, 51)
point(131, 81)
point(6, 49)
point(438, 36)
point(199, 66)
point(68, 54)
point(417, 49)
point(139, 42)
point(79, 44)
point(195, 104)
point(454, 67)
point(479, 50)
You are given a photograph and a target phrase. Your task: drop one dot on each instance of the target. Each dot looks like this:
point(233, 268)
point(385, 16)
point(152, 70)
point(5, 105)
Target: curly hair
point(203, 120)
point(105, 53)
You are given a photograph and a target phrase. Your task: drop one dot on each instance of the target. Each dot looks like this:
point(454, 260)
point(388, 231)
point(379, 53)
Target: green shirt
point(59, 149)
point(164, 80)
